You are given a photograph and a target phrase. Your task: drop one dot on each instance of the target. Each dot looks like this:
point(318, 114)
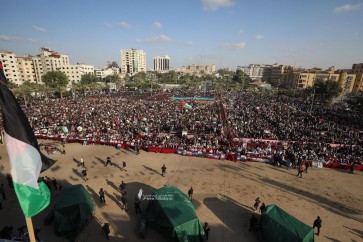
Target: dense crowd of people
point(275, 124)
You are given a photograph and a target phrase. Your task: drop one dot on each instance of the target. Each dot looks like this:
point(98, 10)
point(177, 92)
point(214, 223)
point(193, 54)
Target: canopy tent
point(73, 211)
point(172, 213)
point(279, 226)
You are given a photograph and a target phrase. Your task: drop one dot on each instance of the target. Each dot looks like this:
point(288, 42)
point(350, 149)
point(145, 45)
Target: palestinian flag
point(26, 160)
point(185, 105)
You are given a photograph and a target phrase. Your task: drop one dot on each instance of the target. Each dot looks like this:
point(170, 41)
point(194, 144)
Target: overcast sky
point(228, 33)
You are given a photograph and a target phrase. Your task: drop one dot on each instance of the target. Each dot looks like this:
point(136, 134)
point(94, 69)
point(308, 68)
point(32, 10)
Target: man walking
point(163, 170)
point(317, 223)
point(190, 193)
point(124, 165)
point(102, 195)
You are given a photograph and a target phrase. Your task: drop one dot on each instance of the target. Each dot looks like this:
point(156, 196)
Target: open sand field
point(224, 193)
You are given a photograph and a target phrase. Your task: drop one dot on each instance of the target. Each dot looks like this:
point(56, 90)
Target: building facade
point(48, 60)
point(132, 61)
point(254, 71)
point(10, 66)
point(75, 72)
point(357, 69)
point(102, 73)
point(162, 63)
point(26, 68)
point(198, 69)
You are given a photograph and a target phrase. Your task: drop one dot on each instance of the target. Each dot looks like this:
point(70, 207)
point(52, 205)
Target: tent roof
point(73, 195)
point(284, 224)
point(176, 205)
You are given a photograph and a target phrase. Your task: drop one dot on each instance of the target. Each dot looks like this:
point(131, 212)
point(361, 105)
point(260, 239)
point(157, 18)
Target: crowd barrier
point(231, 156)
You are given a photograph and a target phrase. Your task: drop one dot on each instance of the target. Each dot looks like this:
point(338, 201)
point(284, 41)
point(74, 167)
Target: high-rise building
point(132, 61)
point(162, 63)
point(10, 66)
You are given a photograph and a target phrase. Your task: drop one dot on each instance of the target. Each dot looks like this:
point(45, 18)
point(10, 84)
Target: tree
point(57, 80)
point(325, 91)
point(242, 78)
point(88, 79)
point(139, 77)
point(25, 90)
point(112, 78)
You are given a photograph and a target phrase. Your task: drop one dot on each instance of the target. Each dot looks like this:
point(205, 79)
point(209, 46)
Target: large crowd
point(274, 124)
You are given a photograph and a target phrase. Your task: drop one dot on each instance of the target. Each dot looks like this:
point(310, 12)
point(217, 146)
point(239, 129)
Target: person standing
point(190, 193)
point(206, 228)
point(106, 230)
point(137, 205)
point(2, 191)
point(122, 186)
point(351, 170)
point(55, 185)
point(300, 169)
point(102, 196)
point(163, 170)
point(108, 161)
point(10, 180)
point(257, 203)
point(137, 149)
point(317, 223)
point(124, 165)
point(82, 162)
point(262, 208)
point(124, 201)
point(84, 173)
point(253, 221)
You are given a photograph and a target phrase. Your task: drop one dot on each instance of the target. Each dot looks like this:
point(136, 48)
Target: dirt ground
point(224, 193)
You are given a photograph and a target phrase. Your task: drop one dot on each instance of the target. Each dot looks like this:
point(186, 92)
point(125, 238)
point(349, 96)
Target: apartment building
point(132, 61)
point(304, 78)
point(75, 72)
point(48, 60)
point(273, 74)
point(102, 73)
point(10, 66)
point(198, 69)
point(357, 69)
point(254, 71)
point(26, 69)
point(161, 63)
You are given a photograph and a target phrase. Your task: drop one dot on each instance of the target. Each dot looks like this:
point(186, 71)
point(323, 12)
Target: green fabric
point(172, 213)
point(279, 226)
point(32, 201)
point(73, 210)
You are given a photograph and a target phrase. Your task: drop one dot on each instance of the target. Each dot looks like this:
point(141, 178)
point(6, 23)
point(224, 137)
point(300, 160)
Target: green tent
point(74, 209)
point(279, 226)
point(173, 214)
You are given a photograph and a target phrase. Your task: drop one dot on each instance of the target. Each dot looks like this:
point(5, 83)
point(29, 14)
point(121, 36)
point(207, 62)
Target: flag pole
point(29, 225)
